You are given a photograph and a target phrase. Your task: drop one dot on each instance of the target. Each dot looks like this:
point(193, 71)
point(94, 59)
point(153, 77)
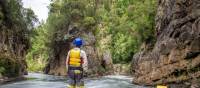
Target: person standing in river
point(76, 64)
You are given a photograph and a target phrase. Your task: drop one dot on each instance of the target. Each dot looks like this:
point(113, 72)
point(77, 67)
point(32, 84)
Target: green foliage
point(16, 25)
point(9, 68)
point(2, 69)
point(89, 22)
point(17, 15)
point(34, 65)
point(77, 12)
point(30, 18)
point(130, 23)
point(120, 26)
point(80, 13)
point(122, 48)
point(38, 54)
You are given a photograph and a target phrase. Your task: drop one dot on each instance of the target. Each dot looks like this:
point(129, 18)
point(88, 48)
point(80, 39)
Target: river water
point(36, 80)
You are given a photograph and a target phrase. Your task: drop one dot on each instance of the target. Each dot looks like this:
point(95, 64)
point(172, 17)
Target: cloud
point(39, 7)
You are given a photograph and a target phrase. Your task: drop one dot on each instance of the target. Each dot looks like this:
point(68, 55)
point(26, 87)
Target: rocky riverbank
point(4, 80)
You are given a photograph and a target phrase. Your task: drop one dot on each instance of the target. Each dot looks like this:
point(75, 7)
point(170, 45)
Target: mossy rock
point(2, 69)
point(9, 68)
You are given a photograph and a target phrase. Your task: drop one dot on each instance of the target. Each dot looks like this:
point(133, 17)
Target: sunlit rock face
point(175, 56)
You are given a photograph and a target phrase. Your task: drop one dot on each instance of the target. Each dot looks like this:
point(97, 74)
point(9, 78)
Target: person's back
point(76, 64)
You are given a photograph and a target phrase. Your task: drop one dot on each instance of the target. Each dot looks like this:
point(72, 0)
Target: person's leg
point(79, 79)
point(72, 81)
point(80, 83)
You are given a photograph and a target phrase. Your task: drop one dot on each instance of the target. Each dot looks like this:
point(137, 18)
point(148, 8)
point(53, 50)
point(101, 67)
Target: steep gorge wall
point(13, 49)
point(175, 56)
point(13, 43)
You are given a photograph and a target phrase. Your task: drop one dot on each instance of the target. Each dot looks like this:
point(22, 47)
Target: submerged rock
point(175, 57)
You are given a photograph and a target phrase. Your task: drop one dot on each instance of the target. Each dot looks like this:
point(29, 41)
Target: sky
point(39, 7)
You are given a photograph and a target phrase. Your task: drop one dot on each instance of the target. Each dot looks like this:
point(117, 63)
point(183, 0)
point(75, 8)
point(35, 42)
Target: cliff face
point(13, 42)
point(175, 56)
point(12, 52)
point(56, 64)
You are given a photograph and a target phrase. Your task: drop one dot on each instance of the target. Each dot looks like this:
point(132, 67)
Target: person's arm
point(85, 61)
point(67, 60)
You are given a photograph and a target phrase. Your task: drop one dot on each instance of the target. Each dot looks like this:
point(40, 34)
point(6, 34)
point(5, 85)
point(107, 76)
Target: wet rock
point(175, 56)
